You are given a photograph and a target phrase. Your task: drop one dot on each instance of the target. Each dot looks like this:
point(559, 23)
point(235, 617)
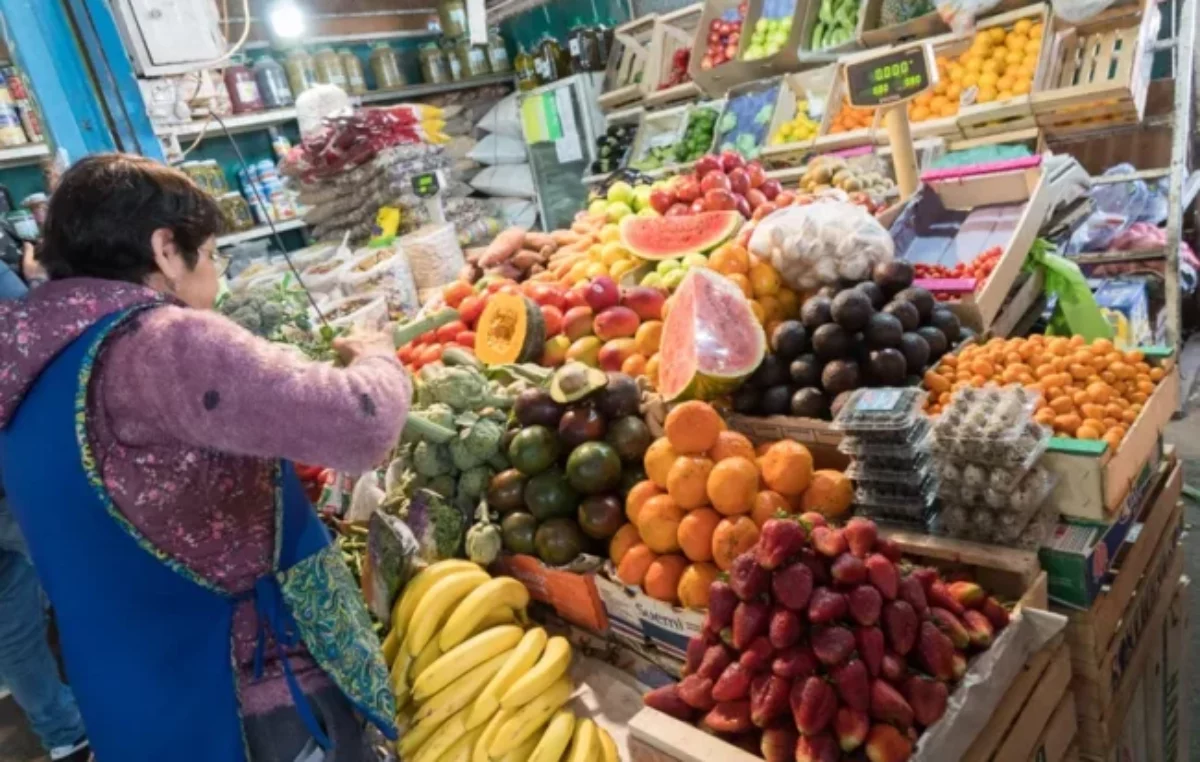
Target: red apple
point(687, 189)
point(718, 199)
point(731, 160)
point(678, 209)
point(715, 180)
point(739, 181)
point(704, 165)
point(756, 173)
point(602, 293)
point(661, 200)
point(770, 189)
point(756, 198)
point(742, 205)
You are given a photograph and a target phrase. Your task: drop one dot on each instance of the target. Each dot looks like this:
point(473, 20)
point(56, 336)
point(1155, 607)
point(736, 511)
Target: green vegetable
point(462, 456)
point(474, 482)
point(459, 387)
point(431, 460)
point(407, 332)
point(484, 539)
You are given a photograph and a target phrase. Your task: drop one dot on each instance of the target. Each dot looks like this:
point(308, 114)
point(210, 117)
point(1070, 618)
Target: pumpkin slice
point(510, 330)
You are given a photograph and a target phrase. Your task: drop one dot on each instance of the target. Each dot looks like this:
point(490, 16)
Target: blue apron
point(147, 643)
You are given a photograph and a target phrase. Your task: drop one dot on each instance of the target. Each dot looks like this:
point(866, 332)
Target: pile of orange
point(940, 101)
point(708, 492)
point(1089, 391)
point(848, 118)
point(770, 299)
point(1001, 62)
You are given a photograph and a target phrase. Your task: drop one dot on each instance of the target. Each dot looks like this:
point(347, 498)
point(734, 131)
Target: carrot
point(564, 237)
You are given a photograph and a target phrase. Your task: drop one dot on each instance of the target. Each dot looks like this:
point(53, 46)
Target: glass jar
point(552, 60)
point(356, 80)
point(272, 83)
point(453, 17)
point(527, 70)
point(472, 58)
point(434, 69)
point(497, 53)
point(385, 65)
point(216, 177)
point(329, 69)
point(576, 48)
point(300, 73)
point(236, 212)
point(453, 61)
point(604, 42)
point(243, 89)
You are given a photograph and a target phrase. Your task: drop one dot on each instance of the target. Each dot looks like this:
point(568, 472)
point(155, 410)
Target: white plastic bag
point(505, 180)
point(499, 149)
point(822, 243)
point(960, 15)
point(503, 119)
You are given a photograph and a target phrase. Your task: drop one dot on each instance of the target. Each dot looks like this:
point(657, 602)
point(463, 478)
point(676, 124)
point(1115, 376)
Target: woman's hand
point(363, 343)
point(31, 269)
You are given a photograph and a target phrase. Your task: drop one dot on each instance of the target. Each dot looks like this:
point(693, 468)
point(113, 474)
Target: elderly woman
point(146, 446)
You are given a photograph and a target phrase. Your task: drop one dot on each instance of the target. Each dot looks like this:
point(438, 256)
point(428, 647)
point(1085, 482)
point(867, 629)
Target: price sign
point(890, 78)
point(426, 184)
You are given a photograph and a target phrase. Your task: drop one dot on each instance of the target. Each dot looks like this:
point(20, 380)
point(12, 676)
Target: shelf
point(1113, 257)
point(262, 231)
point(19, 156)
point(411, 91)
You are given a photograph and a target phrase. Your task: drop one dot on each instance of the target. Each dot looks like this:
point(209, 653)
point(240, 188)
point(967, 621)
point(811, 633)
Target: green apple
point(667, 265)
point(616, 210)
point(654, 280)
point(648, 211)
point(641, 197)
point(695, 259)
point(598, 207)
point(620, 192)
point(672, 279)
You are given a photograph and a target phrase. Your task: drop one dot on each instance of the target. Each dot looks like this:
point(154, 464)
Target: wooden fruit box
point(786, 58)
point(657, 129)
point(631, 116)
point(729, 111)
point(625, 80)
point(673, 31)
point(717, 80)
point(810, 15)
point(814, 86)
point(1099, 71)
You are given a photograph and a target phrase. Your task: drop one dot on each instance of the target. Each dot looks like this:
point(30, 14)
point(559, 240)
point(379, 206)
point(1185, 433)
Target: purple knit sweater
point(186, 413)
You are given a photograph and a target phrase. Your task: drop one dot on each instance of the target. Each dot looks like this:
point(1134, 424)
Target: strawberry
point(733, 684)
point(794, 663)
point(792, 586)
point(832, 645)
point(779, 540)
point(848, 570)
point(936, 651)
point(750, 619)
point(864, 603)
point(979, 628)
point(960, 665)
point(817, 748)
point(769, 696)
point(748, 580)
point(779, 742)
point(816, 564)
point(996, 613)
point(813, 705)
point(927, 699)
point(939, 595)
point(812, 520)
point(695, 654)
point(853, 684)
point(729, 717)
point(870, 647)
point(887, 744)
point(892, 668)
point(826, 606)
point(968, 594)
point(785, 629)
point(951, 625)
point(721, 603)
point(889, 550)
point(697, 692)
point(757, 656)
point(851, 726)
point(887, 705)
point(926, 576)
point(883, 575)
point(829, 542)
point(900, 624)
point(667, 700)
point(911, 590)
point(715, 660)
point(861, 535)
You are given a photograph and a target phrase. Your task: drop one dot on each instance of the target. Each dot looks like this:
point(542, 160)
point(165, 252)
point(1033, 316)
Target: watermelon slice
point(672, 237)
point(710, 341)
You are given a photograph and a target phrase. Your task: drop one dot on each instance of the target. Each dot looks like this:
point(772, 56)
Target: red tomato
point(405, 353)
point(450, 330)
point(466, 339)
point(431, 353)
point(553, 318)
point(456, 292)
point(470, 309)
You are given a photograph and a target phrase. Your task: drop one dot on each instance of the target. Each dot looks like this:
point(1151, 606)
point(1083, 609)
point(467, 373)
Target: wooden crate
point(717, 80)
point(810, 85)
point(731, 97)
point(625, 78)
point(810, 16)
point(657, 128)
point(786, 58)
point(673, 31)
point(1099, 71)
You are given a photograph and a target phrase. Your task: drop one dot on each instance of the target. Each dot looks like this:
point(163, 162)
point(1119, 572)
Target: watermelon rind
point(734, 313)
point(658, 238)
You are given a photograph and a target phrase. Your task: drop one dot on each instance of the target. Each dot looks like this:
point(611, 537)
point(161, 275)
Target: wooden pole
point(904, 157)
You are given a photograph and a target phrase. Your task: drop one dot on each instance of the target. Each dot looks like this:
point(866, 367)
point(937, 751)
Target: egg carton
point(914, 471)
point(993, 413)
point(908, 512)
point(881, 493)
point(882, 414)
point(910, 445)
point(1021, 501)
point(1021, 452)
point(985, 525)
point(965, 473)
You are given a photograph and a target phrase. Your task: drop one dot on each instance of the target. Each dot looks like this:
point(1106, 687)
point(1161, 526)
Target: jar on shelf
point(434, 69)
point(455, 64)
point(497, 53)
point(11, 132)
point(216, 177)
point(552, 60)
point(243, 89)
point(385, 65)
point(272, 83)
point(236, 212)
point(604, 42)
point(472, 58)
point(300, 72)
point(356, 80)
point(328, 66)
point(576, 47)
point(528, 75)
point(452, 14)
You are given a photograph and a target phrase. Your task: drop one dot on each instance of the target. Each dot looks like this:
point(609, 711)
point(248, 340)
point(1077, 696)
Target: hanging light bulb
point(286, 19)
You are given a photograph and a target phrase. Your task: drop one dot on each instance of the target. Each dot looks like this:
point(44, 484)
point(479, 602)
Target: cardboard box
point(640, 620)
point(570, 592)
point(1175, 710)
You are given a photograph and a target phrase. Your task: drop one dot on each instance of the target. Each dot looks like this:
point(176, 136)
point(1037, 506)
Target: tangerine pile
point(709, 491)
point(1001, 63)
point(848, 118)
point(770, 299)
point(939, 102)
point(1089, 391)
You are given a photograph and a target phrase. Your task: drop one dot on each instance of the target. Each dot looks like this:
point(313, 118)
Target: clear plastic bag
point(960, 15)
point(821, 243)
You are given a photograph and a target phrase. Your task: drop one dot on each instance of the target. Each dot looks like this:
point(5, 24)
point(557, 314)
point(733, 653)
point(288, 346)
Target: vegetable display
point(724, 35)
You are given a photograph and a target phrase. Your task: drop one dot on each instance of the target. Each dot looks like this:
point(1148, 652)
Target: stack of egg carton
point(987, 446)
point(886, 434)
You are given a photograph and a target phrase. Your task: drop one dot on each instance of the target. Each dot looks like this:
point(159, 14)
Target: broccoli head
point(460, 387)
point(460, 453)
point(442, 415)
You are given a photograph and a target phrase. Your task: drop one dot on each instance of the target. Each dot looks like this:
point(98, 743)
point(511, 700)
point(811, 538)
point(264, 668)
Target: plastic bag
point(1078, 11)
point(1118, 206)
point(1075, 309)
point(960, 15)
point(819, 244)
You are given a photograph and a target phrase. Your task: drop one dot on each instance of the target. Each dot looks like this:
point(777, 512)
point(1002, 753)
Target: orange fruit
point(634, 365)
point(695, 533)
point(692, 427)
point(787, 467)
point(732, 485)
point(658, 524)
point(731, 444)
point(830, 494)
point(658, 459)
point(634, 563)
point(767, 504)
point(730, 259)
point(625, 538)
point(648, 337)
point(734, 535)
point(694, 585)
point(662, 577)
point(637, 497)
point(687, 479)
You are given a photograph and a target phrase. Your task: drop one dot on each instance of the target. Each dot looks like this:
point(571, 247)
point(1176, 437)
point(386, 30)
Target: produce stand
point(673, 31)
point(625, 79)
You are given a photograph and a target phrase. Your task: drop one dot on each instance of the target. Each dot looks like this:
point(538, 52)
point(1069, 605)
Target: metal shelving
point(20, 156)
point(262, 231)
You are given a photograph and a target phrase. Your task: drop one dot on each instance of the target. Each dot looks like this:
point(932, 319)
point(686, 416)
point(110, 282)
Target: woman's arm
point(197, 377)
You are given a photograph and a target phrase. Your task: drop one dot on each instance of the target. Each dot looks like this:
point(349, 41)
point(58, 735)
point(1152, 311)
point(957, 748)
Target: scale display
point(889, 78)
point(426, 184)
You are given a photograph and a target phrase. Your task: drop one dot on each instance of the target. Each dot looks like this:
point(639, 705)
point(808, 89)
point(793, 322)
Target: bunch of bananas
point(472, 684)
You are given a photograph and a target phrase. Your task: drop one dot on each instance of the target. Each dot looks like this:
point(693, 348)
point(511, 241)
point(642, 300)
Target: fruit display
point(822, 646)
point(724, 35)
point(848, 118)
point(827, 172)
point(612, 148)
point(939, 101)
point(705, 500)
point(770, 300)
point(720, 182)
point(799, 128)
point(743, 126)
point(576, 449)
point(697, 136)
point(836, 24)
point(880, 332)
point(1000, 63)
point(1088, 391)
point(670, 237)
point(514, 253)
point(472, 683)
point(893, 12)
point(980, 268)
point(678, 73)
point(771, 29)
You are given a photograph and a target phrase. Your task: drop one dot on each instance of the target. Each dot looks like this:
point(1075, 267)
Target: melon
point(673, 237)
point(511, 329)
point(710, 340)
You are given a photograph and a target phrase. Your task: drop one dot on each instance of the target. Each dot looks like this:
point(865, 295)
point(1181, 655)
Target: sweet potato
point(564, 237)
point(474, 253)
point(525, 259)
point(503, 247)
point(537, 240)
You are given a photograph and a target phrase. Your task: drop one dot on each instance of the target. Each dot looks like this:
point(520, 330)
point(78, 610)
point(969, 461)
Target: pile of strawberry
point(821, 644)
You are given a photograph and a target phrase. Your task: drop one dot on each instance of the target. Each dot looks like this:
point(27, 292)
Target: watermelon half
point(673, 237)
point(710, 341)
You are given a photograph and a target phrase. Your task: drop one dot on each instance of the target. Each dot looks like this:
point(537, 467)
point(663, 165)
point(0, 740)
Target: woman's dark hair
point(105, 210)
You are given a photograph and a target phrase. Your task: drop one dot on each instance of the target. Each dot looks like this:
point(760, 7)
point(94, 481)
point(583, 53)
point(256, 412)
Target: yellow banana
point(462, 748)
point(462, 691)
point(526, 720)
point(423, 660)
point(501, 591)
point(443, 738)
point(520, 659)
point(398, 677)
point(390, 647)
point(412, 741)
point(494, 618)
point(437, 603)
point(489, 734)
point(555, 738)
point(608, 747)
point(463, 657)
point(416, 588)
point(522, 752)
point(553, 665)
point(585, 746)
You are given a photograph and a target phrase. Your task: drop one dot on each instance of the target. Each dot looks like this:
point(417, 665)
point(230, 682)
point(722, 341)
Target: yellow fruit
point(986, 95)
point(919, 114)
point(436, 605)
point(585, 746)
point(1035, 31)
point(519, 661)
point(997, 34)
point(1016, 42)
point(419, 586)
point(987, 81)
point(553, 665)
point(954, 93)
point(595, 270)
point(1004, 83)
point(461, 692)
point(463, 657)
point(957, 72)
point(555, 738)
point(971, 80)
point(1004, 95)
point(443, 738)
point(764, 279)
point(488, 735)
point(610, 233)
point(1033, 47)
point(974, 65)
point(531, 717)
point(1023, 26)
point(990, 66)
point(1021, 86)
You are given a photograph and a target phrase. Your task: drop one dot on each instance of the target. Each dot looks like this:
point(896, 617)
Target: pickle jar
point(329, 69)
point(472, 58)
point(434, 69)
point(272, 83)
point(553, 61)
point(450, 53)
point(243, 89)
point(577, 48)
point(452, 15)
point(497, 53)
point(527, 70)
point(300, 72)
point(356, 81)
point(385, 65)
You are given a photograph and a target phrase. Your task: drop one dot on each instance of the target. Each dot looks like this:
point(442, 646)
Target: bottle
point(329, 69)
point(575, 48)
point(434, 69)
point(527, 70)
point(452, 16)
point(497, 52)
point(243, 89)
point(554, 59)
point(356, 81)
point(272, 83)
point(300, 73)
point(453, 61)
point(385, 65)
point(279, 143)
